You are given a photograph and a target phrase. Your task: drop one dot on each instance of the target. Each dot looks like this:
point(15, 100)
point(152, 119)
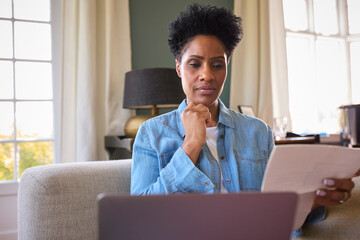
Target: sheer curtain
point(259, 70)
point(96, 55)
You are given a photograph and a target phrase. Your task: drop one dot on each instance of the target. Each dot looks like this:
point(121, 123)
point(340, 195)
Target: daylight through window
point(323, 51)
point(26, 93)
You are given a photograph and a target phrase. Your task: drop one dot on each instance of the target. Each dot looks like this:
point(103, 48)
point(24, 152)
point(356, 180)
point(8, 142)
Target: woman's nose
point(206, 74)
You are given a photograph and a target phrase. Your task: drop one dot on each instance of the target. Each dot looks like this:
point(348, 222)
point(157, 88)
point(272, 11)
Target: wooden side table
point(332, 139)
point(119, 147)
point(298, 140)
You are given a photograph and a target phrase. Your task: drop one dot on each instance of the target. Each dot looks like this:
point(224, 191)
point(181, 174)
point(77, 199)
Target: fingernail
point(329, 182)
point(321, 193)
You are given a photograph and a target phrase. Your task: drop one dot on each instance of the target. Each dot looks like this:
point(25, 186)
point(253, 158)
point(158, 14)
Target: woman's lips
point(206, 90)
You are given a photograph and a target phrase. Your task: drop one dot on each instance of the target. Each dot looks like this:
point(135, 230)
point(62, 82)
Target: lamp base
point(132, 125)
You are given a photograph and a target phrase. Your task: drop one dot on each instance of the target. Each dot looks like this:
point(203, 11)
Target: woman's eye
point(195, 65)
point(218, 65)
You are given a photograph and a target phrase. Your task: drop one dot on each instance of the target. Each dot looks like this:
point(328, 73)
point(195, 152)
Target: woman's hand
point(195, 119)
point(337, 191)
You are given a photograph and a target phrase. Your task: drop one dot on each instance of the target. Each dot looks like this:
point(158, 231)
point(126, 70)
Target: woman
point(204, 146)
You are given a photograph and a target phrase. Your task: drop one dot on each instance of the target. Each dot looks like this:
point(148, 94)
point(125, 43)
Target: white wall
point(8, 210)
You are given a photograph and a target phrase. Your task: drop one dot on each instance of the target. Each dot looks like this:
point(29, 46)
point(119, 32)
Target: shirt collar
point(224, 116)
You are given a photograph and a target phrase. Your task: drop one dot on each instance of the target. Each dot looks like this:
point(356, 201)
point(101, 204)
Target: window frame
point(57, 49)
point(56, 8)
point(342, 35)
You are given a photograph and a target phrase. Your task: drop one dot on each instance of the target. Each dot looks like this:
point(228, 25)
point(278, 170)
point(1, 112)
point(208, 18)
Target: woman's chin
point(204, 101)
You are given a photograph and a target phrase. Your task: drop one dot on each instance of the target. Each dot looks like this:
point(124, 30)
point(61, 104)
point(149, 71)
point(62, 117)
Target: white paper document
point(302, 169)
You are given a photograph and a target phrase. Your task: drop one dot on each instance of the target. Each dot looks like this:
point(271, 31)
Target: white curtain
point(259, 70)
point(96, 55)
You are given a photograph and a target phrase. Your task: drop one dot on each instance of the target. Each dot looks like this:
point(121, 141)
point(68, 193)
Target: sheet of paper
point(302, 168)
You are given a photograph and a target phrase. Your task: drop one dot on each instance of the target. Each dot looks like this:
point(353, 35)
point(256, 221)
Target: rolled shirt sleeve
point(178, 176)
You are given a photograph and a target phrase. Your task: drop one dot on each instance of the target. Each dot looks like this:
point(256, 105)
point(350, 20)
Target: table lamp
point(150, 88)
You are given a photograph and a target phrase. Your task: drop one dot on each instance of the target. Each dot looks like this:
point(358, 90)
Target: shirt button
point(222, 157)
point(221, 136)
point(219, 124)
point(228, 180)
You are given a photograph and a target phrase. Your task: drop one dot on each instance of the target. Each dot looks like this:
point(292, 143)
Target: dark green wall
point(149, 20)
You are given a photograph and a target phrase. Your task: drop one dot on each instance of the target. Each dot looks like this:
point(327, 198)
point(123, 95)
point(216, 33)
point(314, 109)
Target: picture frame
point(246, 110)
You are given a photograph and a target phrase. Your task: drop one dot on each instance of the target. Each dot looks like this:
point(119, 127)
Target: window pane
point(7, 161)
point(301, 76)
point(34, 120)
point(354, 17)
point(5, 8)
point(32, 41)
point(33, 80)
point(6, 80)
point(325, 17)
point(332, 83)
point(6, 50)
point(32, 9)
point(33, 154)
point(355, 71)
point(295, 14)
point(6, 120)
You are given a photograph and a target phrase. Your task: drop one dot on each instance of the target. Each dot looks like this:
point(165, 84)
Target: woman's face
point(203, 70)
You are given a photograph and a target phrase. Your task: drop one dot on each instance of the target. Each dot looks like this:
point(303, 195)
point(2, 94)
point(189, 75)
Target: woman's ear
point(178, 68)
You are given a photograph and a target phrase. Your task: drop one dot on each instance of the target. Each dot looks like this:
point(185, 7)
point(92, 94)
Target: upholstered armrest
point(341, 222)
point(59, 201)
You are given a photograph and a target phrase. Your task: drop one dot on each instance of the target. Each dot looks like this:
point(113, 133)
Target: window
point(27, 97)
point(323, 51)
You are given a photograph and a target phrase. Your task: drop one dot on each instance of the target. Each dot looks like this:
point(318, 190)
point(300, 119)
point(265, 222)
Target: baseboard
point(9, 235)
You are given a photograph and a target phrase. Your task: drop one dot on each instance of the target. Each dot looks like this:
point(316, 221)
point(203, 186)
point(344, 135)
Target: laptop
point(247, 215)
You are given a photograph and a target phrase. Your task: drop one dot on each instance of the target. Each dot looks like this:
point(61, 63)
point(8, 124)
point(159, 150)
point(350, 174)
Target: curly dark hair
point(204, 20)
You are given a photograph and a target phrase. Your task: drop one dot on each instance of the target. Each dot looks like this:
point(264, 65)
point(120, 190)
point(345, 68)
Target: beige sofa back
point(59, 201)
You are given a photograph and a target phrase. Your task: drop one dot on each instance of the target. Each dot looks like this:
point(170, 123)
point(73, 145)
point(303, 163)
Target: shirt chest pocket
point(251, 165)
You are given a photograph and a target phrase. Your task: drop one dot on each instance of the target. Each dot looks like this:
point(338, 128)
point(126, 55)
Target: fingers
point(331, 197)
point(341, 184)
point(199, 111)
point(190, 105)
point(198, 107)
point(338, 191)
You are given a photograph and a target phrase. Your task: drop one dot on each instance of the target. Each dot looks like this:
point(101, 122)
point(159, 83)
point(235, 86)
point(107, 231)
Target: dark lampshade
point(153, 86)
point(149, 88)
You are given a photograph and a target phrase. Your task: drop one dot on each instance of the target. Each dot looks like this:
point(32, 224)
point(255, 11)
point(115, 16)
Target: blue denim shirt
point(160, 166)
point(244, 144)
